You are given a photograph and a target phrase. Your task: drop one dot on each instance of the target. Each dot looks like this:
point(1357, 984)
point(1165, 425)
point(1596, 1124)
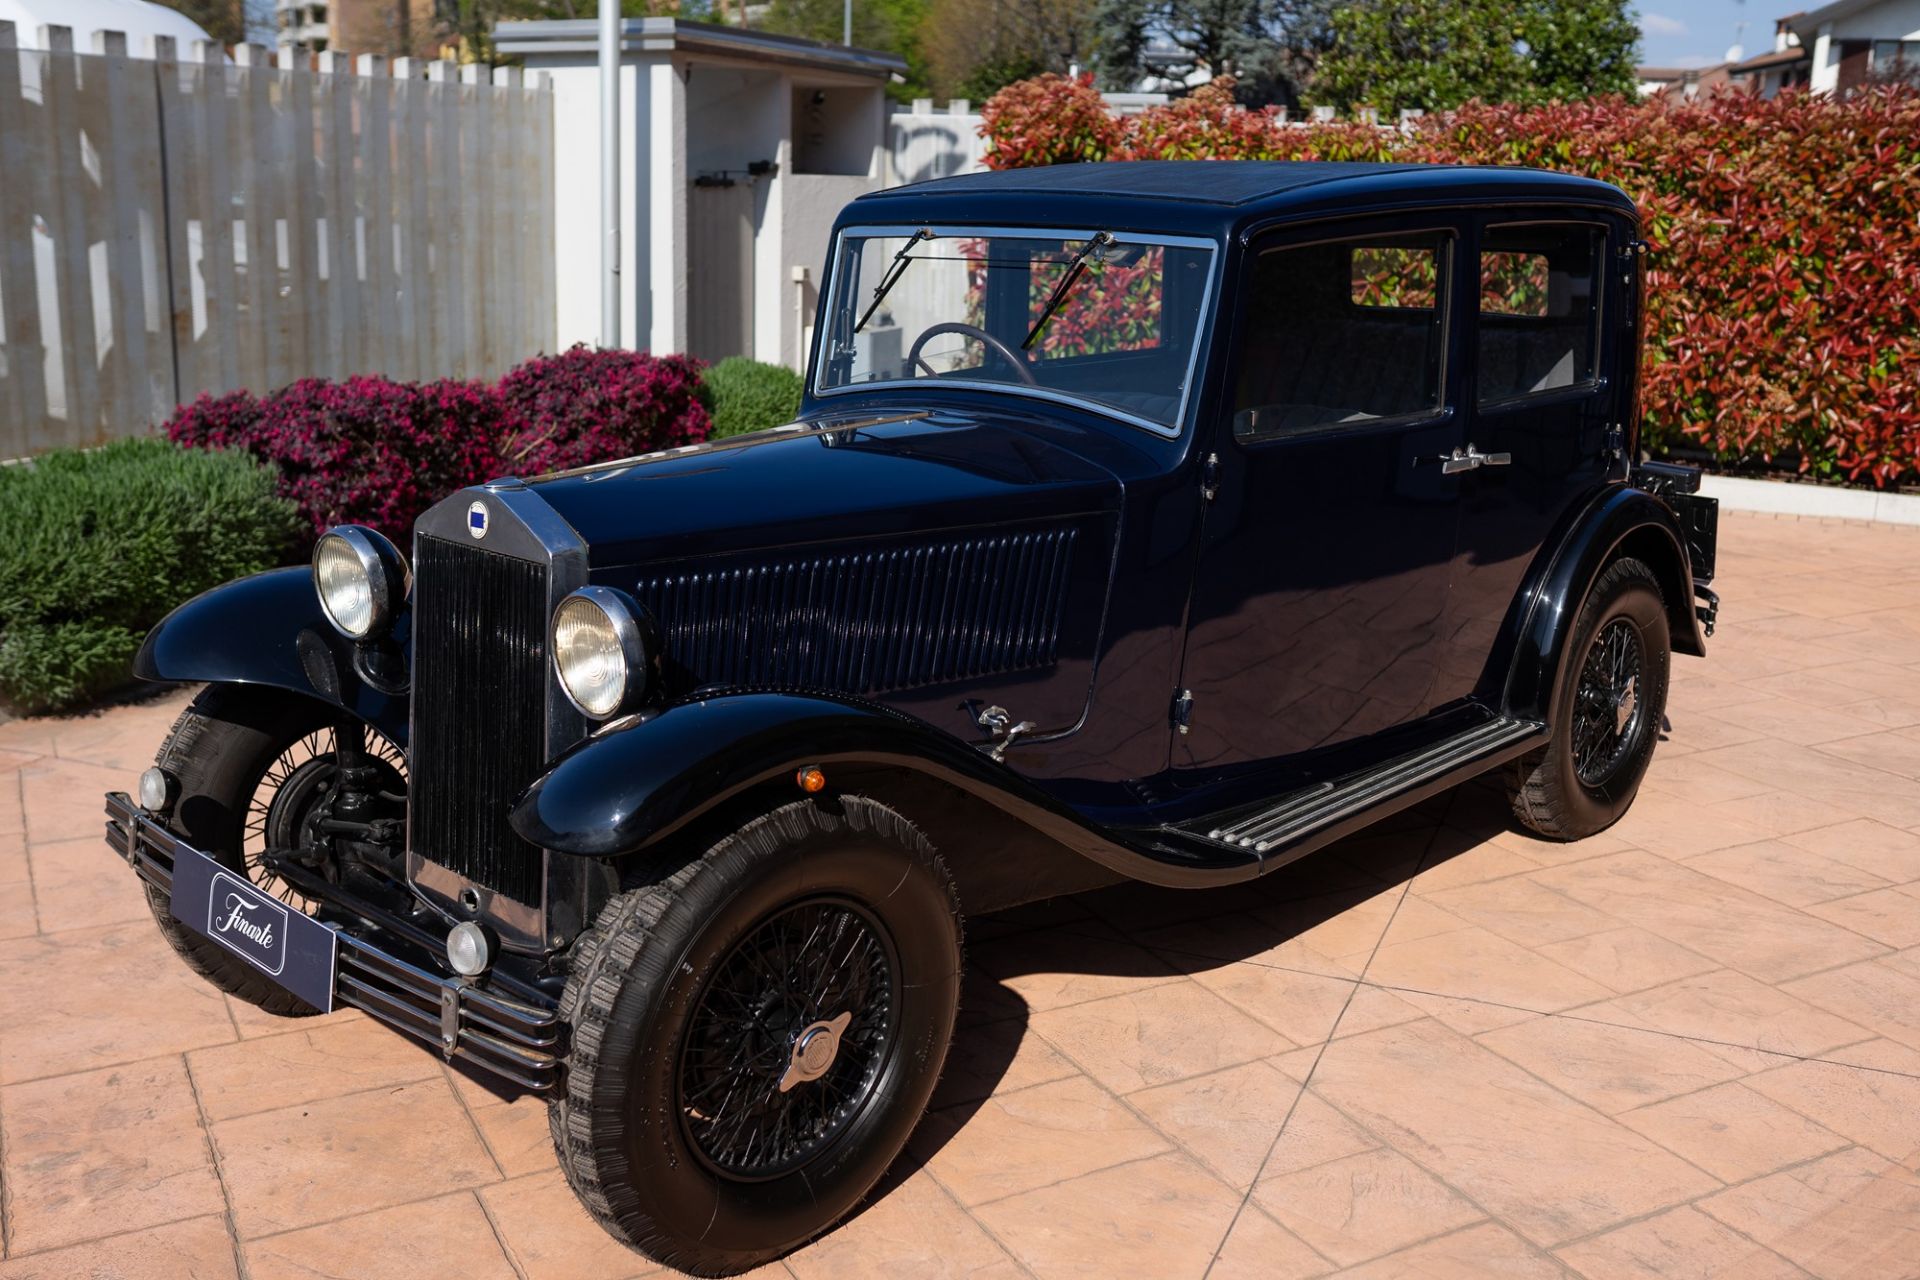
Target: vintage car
point(1153, 520)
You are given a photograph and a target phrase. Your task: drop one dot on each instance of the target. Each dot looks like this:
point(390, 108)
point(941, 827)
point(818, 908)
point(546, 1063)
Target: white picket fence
point(170, 227)
point(924, 143)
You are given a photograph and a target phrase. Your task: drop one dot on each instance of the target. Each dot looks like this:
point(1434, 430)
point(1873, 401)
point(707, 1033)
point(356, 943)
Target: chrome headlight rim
point(388, 579)
point(633, 633)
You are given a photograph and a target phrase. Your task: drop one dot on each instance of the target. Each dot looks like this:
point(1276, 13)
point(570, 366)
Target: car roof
point(1214, 197)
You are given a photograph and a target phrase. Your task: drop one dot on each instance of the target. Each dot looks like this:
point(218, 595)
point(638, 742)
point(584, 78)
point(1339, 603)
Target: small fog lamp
point(156, 789)
point(468, 950)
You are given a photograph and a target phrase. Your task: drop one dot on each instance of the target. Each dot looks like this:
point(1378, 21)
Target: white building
point(738, 148)
point(139, 20)
point(1854, 42)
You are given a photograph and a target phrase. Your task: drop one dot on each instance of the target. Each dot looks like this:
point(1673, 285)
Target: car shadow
point(1099, 934)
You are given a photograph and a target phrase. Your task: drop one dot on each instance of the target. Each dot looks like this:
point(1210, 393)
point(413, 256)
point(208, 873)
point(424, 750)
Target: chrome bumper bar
point(519, 1041)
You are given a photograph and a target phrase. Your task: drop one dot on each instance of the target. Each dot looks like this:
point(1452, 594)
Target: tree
point(1268, 46)
point(229, 22)
point(891, 26)
point(975, 48)
point(1436, 54)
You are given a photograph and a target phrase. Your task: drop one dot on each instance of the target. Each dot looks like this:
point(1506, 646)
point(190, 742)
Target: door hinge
point(1183, 709)
point(1616, 442)
point(1210, 477)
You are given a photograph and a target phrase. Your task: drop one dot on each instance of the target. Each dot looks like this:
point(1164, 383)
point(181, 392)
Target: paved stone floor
point(1687, 1047)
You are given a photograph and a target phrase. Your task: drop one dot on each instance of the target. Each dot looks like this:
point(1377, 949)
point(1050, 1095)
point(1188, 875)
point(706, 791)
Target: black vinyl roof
point(1214, 195)
point(1202, 181)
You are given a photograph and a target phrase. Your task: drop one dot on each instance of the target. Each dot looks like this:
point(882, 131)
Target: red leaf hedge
point(377, 452)
point(1784, 282)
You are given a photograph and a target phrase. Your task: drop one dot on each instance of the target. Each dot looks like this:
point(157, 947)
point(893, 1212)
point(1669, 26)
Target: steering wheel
point(993, 344)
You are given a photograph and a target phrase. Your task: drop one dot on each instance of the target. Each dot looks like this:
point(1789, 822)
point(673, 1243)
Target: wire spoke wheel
point(788, 1039)
point(287, 794)
point(1608, 709)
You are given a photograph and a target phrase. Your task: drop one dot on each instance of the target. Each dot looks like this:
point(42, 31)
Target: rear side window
point(1343, 333)
point(1539, 308)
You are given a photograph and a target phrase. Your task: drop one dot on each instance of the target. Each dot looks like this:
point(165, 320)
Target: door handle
point(1468, 459)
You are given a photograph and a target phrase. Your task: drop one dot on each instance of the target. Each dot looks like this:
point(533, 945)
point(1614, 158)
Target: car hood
point(826, 480)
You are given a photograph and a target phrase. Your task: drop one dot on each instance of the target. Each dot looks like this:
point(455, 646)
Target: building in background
point(138, 20)
point(740, 147)
point(1854, 43)
point(395, 28)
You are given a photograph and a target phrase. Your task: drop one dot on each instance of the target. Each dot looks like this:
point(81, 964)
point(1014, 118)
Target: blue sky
point(1697, 33)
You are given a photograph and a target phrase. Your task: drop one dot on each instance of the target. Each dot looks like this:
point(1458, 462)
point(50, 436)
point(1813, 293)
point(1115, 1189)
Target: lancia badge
point(477, 519)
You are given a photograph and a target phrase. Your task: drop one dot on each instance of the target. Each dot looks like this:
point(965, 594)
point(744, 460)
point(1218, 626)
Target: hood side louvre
point(867, 622)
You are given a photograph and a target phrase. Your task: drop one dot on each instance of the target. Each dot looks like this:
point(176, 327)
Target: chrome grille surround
point(463, 722)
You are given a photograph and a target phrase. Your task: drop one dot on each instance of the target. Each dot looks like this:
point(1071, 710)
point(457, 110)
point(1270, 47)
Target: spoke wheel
point(1606, 712)
point(1608, 709)
point(285, 801)
point(788, 1039)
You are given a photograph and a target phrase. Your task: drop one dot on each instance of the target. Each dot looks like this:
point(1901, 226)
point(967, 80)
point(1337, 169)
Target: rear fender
point(1620, 521)
point(627, 789)
point(269, 630)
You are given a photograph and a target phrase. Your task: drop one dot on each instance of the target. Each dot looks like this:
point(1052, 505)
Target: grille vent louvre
point(479, 711)
point(868, 622)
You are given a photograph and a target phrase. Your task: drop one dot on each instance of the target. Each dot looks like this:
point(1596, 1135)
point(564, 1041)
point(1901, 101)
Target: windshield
point(1105, 318)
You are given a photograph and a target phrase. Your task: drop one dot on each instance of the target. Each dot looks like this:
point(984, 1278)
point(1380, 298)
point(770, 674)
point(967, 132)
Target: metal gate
point(720, 268)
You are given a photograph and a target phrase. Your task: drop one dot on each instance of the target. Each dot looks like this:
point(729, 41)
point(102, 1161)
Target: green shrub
point(745, 395)
point(97, 546)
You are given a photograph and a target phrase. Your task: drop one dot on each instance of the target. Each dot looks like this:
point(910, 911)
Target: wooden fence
point(170, 227)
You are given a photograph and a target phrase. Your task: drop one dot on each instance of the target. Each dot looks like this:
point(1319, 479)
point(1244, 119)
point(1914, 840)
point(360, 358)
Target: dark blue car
point(1164, 521)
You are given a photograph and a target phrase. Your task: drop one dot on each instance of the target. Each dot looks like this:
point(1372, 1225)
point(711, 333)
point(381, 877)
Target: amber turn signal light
point(811, 780)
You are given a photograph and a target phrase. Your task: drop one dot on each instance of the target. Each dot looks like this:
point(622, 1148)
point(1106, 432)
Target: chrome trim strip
point(1202, 330)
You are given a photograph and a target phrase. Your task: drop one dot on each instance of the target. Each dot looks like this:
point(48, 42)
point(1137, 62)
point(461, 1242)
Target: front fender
point(619, 792)
point(269, 630)
point(1620, 521)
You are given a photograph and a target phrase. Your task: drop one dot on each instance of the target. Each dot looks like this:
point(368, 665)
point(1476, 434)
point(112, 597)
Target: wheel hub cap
point(814, 1050)
point(1624, 706)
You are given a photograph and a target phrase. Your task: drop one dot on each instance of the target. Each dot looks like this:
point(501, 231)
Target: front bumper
point(382, 971)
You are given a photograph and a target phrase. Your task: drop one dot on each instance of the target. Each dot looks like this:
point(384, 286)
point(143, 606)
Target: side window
point(1344, 332)
point(1539, 308)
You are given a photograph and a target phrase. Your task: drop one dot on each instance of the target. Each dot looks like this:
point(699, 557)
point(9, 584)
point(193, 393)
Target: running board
point(1299, 814)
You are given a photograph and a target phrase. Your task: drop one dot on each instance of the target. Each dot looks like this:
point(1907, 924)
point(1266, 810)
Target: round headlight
point(361, 579)
point(600, 651)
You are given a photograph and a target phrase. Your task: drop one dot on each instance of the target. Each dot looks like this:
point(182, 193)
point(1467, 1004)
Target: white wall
point(577, 237)
point(1893, 20)
point(812, 202)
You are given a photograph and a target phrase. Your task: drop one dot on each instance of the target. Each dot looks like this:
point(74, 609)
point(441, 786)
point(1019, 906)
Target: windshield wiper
point(895, 270)
point(1072, 273)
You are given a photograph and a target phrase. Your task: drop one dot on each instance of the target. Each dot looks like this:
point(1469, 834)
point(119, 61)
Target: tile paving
point(1689, 1047)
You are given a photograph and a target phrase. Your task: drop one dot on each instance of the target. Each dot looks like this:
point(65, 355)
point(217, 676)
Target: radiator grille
point(868, 622)
point(479, 711)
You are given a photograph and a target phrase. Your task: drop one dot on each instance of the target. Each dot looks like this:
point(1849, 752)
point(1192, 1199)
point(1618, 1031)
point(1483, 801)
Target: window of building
point(1896, 58)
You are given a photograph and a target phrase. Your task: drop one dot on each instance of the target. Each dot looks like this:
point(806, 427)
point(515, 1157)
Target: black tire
point(640, 987)
point(1582, 782)
point(217, 752)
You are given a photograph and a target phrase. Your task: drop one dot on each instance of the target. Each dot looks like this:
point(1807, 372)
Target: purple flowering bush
point(588, 405)
point(377, 452)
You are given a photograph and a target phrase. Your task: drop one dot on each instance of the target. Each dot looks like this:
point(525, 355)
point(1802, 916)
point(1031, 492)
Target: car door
point(1538, 408)
point(1320, 592)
